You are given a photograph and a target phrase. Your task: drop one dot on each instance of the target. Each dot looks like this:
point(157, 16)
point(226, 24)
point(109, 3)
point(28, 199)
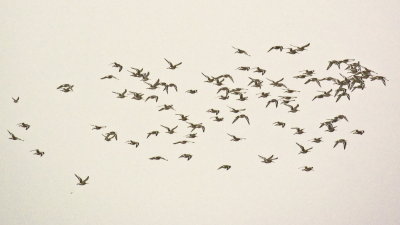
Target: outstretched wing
point(236, 118)
point(168, 62)
point(87, 178)
point(80, 179)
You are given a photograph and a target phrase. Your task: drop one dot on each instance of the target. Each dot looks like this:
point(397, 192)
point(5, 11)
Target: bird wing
point(236, 118)
point(80, 179)
point(247, 118)
point(168, 62)
point(87, 178)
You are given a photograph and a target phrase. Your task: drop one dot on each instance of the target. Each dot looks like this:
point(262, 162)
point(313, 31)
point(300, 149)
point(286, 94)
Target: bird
point(166, 107)
point(303, 150)
point(259, 70)
point(24, 125)
point(301, 48)
point(381, 78)
point(110, 135)
point(293, 109)
point(269, 159)
point(153, 86)
point(227, 167)
point(96, 127)
point(264, 94)
point(278, 47)
point(316, 140)
point(191, 91)
point(154, 132)
point(158, 158)
point(244, 68)
point(209, 79)
point(292, 51)
point(314, 79)
point(277, 83)
point(234, 138)
point(82, 182)
point(307, 169)
point(216, 111)
point(242, 116)
point(341, 141)
point(218, 119)
point(109, 77)
point(120, 95)
point(169, 130)
point(38, 152)
point(360, 132)
point(183, 117)
point(298, 130)
point(240, 51)
point(155, 97)
point(171, 65)
point(333, 62)
point(167, 86)
point(13, 137)
point(191, 135)
point(278, 123)
point(225, 76)
point(117, 65)
point(136, 95)
point(187, 156)
point(135, 143)
point(183, 142)
point(242, 97)
point(272, 101)
point(236, 110)
point(65, 87)
point(195, 126)
point(15, 100)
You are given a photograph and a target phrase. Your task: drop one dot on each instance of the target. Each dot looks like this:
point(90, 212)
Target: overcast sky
point(49, 43)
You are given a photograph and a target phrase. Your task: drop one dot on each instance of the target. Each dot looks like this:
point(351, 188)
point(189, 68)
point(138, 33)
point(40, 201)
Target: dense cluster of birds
point(341, 88)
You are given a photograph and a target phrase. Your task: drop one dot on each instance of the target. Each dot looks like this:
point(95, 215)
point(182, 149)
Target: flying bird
point(171, 65)
point(269, 159)
point(158, 158)
point(38, 152)
point(240, 51)
point(227, 167)
point(117, 65)
point(186, 156)
point(15, 100)
point(13, 137)
point(82, 182)
point(242, 116)
point(303, 149)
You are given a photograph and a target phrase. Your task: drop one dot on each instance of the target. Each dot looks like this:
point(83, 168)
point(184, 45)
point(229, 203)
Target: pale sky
point(49, 43)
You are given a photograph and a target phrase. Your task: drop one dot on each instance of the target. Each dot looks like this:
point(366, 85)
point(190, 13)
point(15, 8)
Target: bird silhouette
point(272, 101)
point(242, 116)
point(236, 110)
point(316, 140)
point(154, 132)
point(240, 51)
point(183, 142)
point(121, 95)
point(135, 143)
point(158, 158)
point(38, 152)
point(298, 130)
point(359, 132)
point(341, 141)
point(13, 137)
point(183, 117)
point(15, 100)
point(169, 130)
point(82, 182)
point(303, 149)
point(227, 167)
point(268, 160)
point(234, 138)
point(307, 168)
point(117, 65)
point(278, 123)
point(109, 77)
point(171, 65)
point(186, 156)
point(166, 107)
point(110, 135)
point(96, 127)
point(278, 47)
point(155, 97)
point(24, 125)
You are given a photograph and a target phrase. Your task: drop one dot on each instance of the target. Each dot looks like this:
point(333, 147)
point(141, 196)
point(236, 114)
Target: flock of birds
point(343, 86)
